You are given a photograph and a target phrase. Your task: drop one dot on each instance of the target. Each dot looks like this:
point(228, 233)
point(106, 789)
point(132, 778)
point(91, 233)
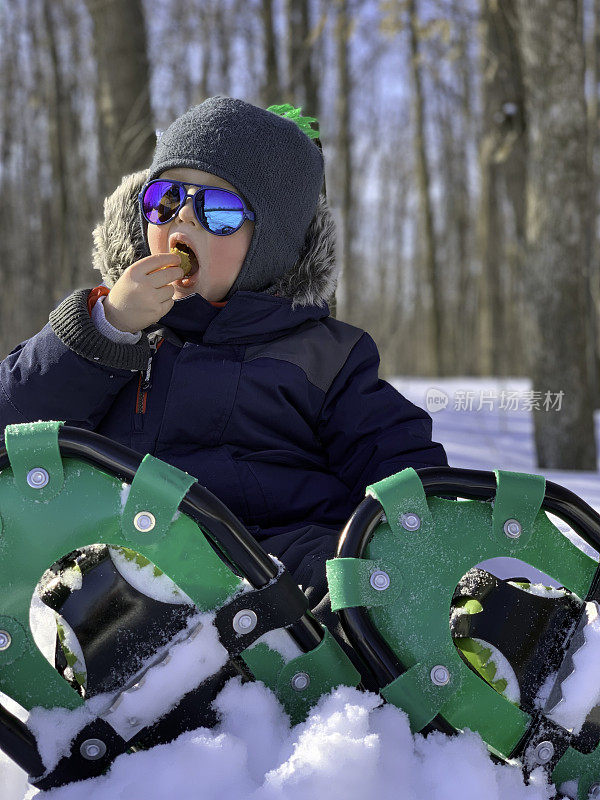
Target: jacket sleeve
point(370, 430)
point(68, 371)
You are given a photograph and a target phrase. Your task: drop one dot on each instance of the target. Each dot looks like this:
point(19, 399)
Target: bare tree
point(300, 44)
point(271, 92)
point(593, 67)
point(343, 104)
point(126, 128)
point(501, 168)
point(422, 174)
point(557, 201)
point(461, 202)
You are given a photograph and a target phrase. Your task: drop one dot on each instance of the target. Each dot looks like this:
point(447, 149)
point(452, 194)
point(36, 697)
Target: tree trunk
point(301, 37)
point(593, 66)
point(423, 184)
point(126, 128)
point(271, 92)
point(514, 177)
point(293, 47)
point(206, 29)
point(310, 35)
point(501, 164)
point(465, 353)
point(57, 141)
point(351, 279)
point(557, 201)
point(222, 50)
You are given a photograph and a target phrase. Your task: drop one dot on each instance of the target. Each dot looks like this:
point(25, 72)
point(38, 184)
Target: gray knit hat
point(270, 161)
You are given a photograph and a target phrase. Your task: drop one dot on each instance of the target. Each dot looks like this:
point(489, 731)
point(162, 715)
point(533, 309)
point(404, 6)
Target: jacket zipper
point(145, 382)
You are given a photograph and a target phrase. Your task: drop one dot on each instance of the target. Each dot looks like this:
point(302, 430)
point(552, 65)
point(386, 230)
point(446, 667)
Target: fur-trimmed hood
point(119, 242)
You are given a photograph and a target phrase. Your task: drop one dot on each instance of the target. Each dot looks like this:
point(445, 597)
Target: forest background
point(461, 144)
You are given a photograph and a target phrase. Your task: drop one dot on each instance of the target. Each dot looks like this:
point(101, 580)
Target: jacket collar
point(249, 317)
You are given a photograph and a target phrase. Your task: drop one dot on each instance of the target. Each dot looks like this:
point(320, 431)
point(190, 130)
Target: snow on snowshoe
point(75, 501)
point(456, 647)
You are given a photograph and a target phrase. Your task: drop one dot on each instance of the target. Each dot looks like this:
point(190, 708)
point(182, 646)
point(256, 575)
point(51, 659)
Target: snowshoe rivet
point(92, 749)
point(144, 521)
point(379, 580)
point(245, 621)
point(383, 518)
point(513, 528)
point(37, 478)
point(133, 722)
point(543, 752)
point(300, 681)
point(410, 522)
point(440, 675)
point(5, 640)
point(594, 791)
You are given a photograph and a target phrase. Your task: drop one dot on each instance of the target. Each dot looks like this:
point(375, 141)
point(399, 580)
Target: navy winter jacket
point(272, 405)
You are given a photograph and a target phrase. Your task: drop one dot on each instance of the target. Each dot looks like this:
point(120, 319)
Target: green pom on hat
point(288, 111)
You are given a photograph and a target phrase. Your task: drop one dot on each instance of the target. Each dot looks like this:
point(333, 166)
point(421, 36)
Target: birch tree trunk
point(557, 201)
point(126, 128)
point(423, 184)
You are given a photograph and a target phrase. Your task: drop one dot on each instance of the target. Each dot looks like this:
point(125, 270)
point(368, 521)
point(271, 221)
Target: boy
point(235, 373)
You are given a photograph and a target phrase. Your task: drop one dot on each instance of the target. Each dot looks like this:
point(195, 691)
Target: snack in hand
point(186, 264)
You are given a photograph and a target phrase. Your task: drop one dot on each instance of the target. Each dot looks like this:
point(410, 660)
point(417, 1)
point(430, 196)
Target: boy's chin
point(185, 287)
point(182, 291)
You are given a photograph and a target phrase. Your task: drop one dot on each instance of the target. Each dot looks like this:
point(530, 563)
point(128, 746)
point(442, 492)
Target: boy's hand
point(143, 294)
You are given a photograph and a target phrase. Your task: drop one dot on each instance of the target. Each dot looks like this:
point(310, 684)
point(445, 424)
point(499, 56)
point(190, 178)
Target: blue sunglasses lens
point(161, 201)
point(220, 211)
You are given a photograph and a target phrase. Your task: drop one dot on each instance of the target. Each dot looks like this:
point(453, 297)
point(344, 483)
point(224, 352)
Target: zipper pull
point(146, 381)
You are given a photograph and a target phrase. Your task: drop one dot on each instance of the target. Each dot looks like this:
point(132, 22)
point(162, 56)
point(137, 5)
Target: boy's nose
point(186, 212)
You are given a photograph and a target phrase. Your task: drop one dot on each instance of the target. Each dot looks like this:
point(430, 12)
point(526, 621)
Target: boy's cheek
point(157, 238)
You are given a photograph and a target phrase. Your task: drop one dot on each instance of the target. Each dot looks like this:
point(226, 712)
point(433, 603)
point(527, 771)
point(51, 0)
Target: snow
point(581, 690)
point(144, 579)
point(187, 664)
point(504, 671)
point(352, 746)
point(55, 728)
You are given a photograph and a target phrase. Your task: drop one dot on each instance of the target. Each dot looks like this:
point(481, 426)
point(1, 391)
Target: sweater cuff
point(72, 324)
point(106, 329)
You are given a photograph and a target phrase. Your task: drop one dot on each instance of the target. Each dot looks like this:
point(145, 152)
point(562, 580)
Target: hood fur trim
point(119, 241)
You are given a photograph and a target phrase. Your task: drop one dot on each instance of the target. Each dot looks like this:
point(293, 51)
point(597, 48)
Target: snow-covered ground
point(484, 424)
point(351, 747)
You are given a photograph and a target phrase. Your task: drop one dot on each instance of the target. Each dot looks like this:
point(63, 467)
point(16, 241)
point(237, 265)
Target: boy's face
point(220, 258)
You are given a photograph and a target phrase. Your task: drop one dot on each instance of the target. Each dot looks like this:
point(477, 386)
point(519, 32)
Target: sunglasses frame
point(246, 213)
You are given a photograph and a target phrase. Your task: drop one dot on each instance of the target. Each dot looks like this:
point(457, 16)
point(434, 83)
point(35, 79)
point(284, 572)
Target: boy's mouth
point(189, 258)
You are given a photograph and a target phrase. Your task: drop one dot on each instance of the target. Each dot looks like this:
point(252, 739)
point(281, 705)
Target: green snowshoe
point(119, 539)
